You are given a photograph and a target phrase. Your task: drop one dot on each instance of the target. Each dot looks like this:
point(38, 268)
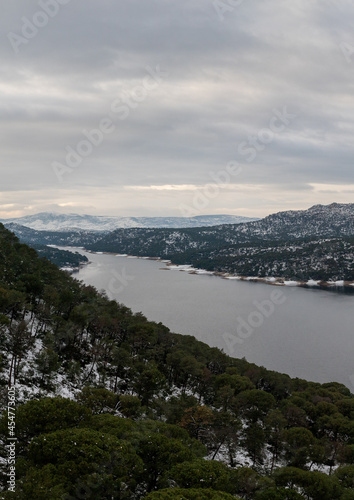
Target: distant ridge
point(316, 244)
point(49, 221)
point(335, 220)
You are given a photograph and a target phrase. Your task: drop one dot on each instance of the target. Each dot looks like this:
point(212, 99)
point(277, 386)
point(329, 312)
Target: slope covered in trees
point(312, 244)
point(147, 413)
point(60, 238)
point(61, 258)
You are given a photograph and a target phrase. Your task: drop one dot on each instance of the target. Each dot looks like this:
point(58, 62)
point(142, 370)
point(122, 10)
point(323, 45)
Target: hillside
point(39, 240)
point(70, 261)
point(110, 405)
point(312, 244)
point(60, 238)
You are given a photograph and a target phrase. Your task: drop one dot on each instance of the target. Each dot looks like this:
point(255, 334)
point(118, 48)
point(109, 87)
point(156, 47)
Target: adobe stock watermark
point(223, 7)
point(210, 191)
point(120, 109)
point(348, 51)
point(11, 446)
point(31, 27)
point(246, 327)
point(119, 281)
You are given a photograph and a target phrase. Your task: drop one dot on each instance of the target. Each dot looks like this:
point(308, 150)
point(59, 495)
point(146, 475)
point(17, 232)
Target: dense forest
point(112, 406)
point(322, 259)
point(60, 238)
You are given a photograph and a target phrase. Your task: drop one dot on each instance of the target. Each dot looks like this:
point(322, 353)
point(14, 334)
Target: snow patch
point(291, 283)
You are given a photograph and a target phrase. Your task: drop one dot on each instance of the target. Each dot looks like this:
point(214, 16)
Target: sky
point(175, 108)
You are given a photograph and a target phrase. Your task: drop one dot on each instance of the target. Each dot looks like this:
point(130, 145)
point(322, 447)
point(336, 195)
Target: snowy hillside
point(317, 243)
point(47, 221)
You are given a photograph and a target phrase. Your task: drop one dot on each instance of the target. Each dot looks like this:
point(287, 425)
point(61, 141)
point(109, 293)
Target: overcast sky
point(160, 107)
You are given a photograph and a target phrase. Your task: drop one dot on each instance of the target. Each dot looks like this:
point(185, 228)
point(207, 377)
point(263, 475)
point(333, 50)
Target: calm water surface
point(303, 332)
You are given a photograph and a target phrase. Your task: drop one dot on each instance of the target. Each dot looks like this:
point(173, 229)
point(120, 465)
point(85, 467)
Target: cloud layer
point(128, 107)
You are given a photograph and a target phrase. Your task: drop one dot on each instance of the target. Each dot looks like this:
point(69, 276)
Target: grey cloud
point(225, 79)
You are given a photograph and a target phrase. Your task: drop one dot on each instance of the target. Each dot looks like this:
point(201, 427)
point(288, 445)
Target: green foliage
point(79, 453)
point(47, 363)
point(249, 483)
point(42, 484)
point(176, 406)
point(98, 400)
point(279, 494)
point(299, 443)
point(159, 454)
point(314, 485)
point(254, 404)
point(345, 476)
point(189, 494)
point(149, 383)
point(119, 427)
point(129, 406)
point(197, 420)
point(204, 474)
point(45, 415)
point(254, 442)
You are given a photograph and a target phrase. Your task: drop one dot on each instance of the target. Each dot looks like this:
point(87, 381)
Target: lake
point(307, 333)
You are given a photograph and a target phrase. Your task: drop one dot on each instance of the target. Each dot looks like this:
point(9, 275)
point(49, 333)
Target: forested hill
point(64, 259)
point(39, 240)
point(70, 238)
point(111, 405)
point(317, 222)
point(312, 244)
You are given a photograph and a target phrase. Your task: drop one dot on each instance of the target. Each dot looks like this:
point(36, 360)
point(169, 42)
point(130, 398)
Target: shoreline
point(275, 281)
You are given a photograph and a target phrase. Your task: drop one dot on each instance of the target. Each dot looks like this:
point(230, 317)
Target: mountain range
point(317, 243)
point(47, 221)
point(335, 220)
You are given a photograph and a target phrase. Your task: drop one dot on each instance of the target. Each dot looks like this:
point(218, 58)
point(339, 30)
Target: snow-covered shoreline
point(268, 280)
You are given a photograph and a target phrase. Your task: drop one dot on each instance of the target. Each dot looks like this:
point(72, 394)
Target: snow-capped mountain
point(335, 220)
point(48, 221)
